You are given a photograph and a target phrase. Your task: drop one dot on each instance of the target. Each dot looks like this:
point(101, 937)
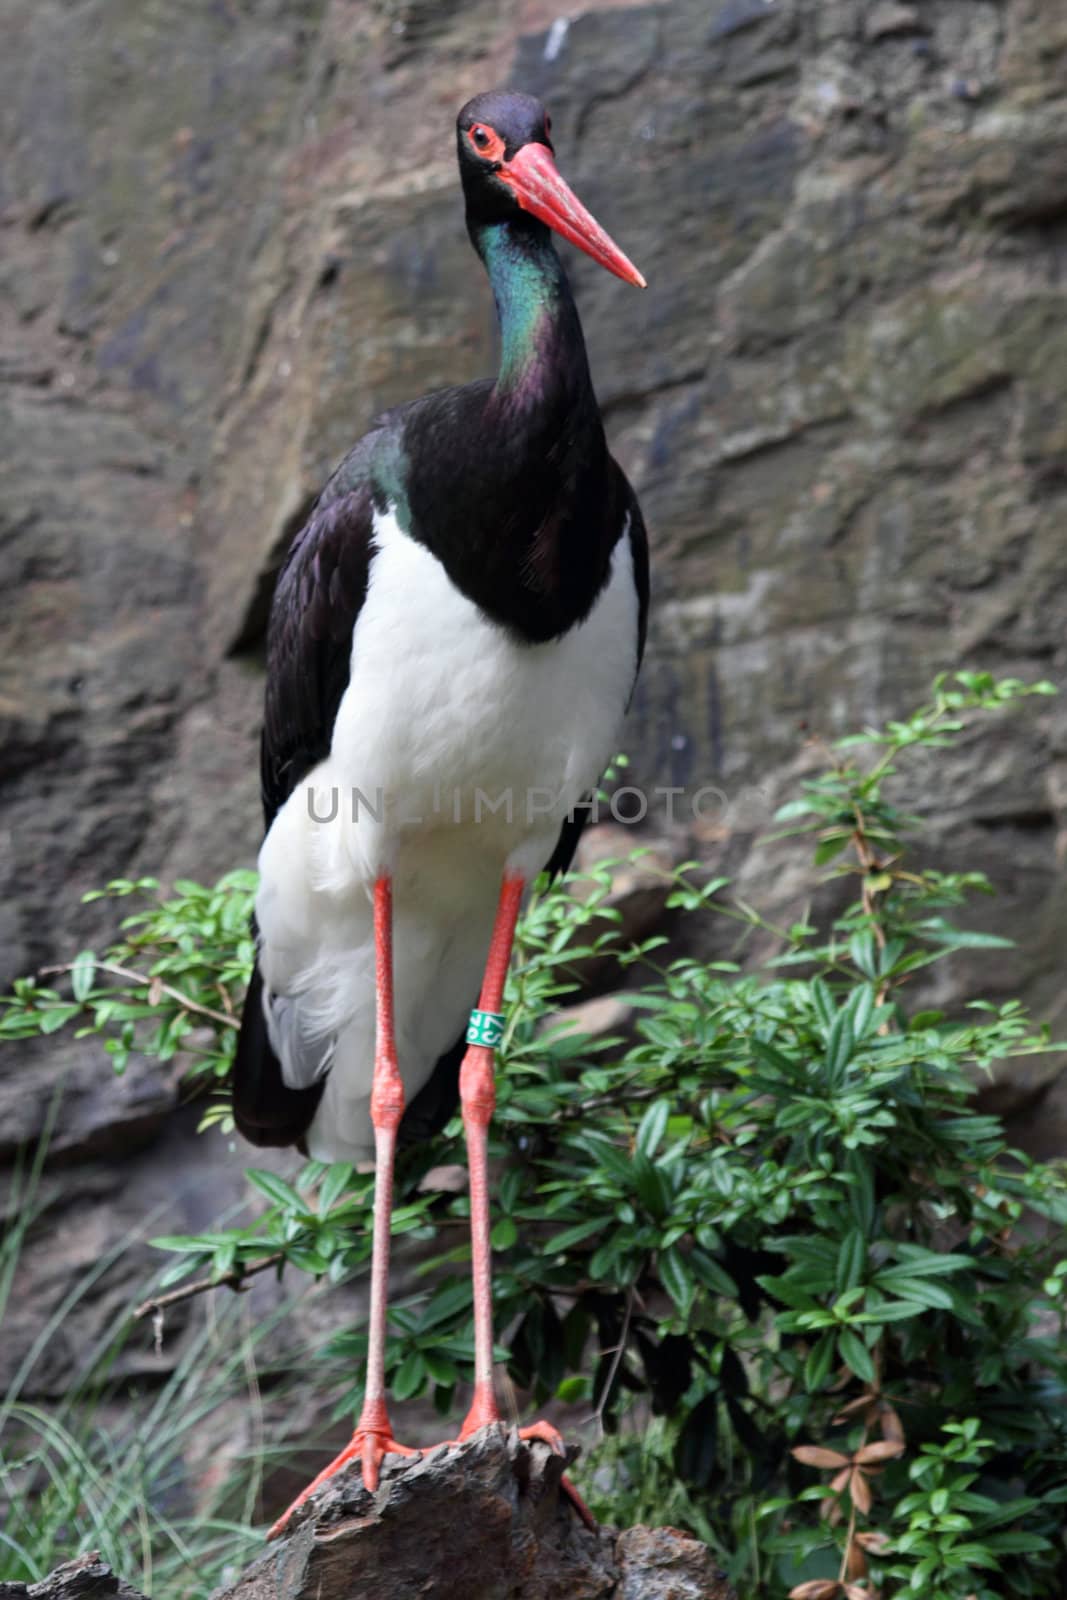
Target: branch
point(229, 1280)
point(597, 1415)
point(164, 988)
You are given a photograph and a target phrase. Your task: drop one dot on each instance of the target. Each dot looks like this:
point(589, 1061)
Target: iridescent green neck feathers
point(540, 336)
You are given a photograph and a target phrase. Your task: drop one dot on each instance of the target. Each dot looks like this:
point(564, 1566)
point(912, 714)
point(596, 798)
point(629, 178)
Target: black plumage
point(511, 486)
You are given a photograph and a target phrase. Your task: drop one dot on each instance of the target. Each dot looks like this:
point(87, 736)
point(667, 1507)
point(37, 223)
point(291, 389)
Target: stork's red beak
point(539, 189)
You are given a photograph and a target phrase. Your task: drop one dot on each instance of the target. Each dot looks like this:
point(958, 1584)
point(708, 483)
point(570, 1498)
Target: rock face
point(231, 234)
point(841, 398)
point(481, 1521)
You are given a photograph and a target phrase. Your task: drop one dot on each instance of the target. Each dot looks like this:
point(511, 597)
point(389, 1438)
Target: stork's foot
point(368, 1446)
point(554, 1439)
point(546, 1434)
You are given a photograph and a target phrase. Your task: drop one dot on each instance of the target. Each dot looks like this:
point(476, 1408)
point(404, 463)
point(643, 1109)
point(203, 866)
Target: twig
point(568, 1113)
point(597, 1415)
point(165, 988)
point(229, 1280)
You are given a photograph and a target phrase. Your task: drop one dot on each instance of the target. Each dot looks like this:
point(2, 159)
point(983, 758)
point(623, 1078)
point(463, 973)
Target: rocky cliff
point(231, 233)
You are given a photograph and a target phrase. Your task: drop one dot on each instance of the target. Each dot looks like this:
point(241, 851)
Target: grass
point(107, 1466)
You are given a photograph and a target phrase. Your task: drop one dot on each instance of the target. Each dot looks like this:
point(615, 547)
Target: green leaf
point(855, 1355)
point(610, 1157)
point(411, 1375)
point(1015, 1543)
point(861, 1009)
point(677, 1279)
point(652, 1127)
point(307, 1260)
point(561, 1242)
point(861, 948)
point(942, 932)
point(861, 1191)
point(440, 1367)
point(934, 1295)
point(851, 1260)
point(56, 1017)
point(889, 1311)
point(276, 1189)
point(820, 1359)
point(712, 1275)
point(825, 1009)
point(839, 1049)
point(334, 1185)
point(920, 1263)
point(652, 1186)
point(446, 1302)
point(505, 1233)
point(794, 808)
point(82, 972)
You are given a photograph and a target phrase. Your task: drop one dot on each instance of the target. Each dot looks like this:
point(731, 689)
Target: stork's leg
point(477, 1090)
point(373, 1437)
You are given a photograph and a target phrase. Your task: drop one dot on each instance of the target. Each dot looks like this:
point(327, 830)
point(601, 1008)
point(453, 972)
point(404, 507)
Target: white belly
point(457, 752)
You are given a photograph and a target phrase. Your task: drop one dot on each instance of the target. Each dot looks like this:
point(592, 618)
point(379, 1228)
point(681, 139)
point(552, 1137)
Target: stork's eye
point(486, 141)
point(548, 125)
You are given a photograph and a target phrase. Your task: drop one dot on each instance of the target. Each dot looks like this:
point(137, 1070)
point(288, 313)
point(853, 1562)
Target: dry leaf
point(880, 1450)
point(857, 1562)
point(854, 1407)
point(892, 1427)
point(873, 1541)
point(814, 1455)
point(815, 1589)
point(860, 1490)
point(155, 991)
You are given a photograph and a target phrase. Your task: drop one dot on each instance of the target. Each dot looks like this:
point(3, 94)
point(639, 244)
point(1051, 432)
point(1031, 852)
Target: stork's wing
point(639, 551)
point(634, 529)
point(319, 595)
point(317, 600)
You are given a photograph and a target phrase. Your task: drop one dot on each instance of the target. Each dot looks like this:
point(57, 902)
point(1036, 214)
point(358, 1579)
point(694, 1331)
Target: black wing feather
point(639, 551)
point(317, 600)
point(319, 596)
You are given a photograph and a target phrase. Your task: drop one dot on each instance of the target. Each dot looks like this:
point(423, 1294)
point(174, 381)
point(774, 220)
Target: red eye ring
point(486, 142)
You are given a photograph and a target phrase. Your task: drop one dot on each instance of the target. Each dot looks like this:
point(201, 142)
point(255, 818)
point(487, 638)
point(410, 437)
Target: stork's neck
point(543, 364)
point(511, 484)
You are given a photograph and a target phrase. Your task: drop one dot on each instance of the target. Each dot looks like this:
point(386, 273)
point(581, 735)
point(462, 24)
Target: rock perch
point(478, 1521)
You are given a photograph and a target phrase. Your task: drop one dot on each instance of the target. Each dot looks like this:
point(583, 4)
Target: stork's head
point(508, 167)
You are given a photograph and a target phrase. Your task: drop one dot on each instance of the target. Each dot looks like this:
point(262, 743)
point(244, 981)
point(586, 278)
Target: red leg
point(477, 1090)
point(373, 1437)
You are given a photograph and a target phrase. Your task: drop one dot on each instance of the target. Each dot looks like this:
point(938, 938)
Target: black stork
point(453, 641)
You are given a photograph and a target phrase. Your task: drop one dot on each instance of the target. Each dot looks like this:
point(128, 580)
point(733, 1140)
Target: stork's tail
point(266, 1110)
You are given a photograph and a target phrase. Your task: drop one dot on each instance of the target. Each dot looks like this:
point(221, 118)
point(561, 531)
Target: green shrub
point(772, 1220)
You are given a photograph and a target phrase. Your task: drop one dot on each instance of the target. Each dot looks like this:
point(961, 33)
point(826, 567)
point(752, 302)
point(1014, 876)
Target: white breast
point(457, 751)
